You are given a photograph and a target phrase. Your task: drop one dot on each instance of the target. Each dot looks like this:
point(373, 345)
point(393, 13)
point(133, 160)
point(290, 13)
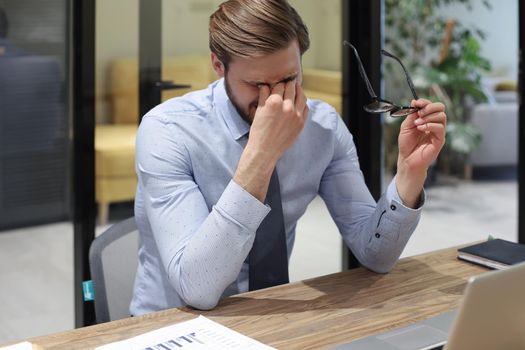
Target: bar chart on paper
point(199, 333)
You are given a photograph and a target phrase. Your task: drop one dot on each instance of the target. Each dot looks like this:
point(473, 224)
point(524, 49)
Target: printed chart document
point(199, 333)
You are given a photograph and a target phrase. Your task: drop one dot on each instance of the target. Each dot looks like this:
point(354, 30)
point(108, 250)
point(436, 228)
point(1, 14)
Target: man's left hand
point(421, 138)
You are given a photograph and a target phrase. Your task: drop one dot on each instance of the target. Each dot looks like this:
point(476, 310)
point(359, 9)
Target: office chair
point(113, 259)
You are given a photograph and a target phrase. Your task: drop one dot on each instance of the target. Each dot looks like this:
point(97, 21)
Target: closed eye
point(258, 84)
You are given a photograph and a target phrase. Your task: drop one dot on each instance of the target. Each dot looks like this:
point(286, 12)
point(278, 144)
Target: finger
point(408, 122)
point(410, 119)
point(437, 129)
point(289, 91)
point(431, 108)
point(305, 112)
point(438, 117)
point(420, 103)
point(264, 93)
point(300, 98)
point(278, 89)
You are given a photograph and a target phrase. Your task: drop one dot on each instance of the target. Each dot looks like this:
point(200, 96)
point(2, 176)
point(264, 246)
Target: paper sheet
point(199, 333)
point(20, 346)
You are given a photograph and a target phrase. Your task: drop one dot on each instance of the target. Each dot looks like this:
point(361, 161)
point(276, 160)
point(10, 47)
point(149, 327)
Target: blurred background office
point(464, 55)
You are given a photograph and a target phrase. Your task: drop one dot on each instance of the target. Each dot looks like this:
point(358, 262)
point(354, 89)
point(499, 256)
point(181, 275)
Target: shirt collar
point(238, 127)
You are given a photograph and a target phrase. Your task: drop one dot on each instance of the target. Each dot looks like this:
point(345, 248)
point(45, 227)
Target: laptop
point(490, 316)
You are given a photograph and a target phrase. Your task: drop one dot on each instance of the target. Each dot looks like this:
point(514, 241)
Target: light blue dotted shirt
point(197, 226)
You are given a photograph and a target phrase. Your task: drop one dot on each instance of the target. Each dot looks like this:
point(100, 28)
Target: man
point(205, 163)
point(6, 48)
point(3, 33)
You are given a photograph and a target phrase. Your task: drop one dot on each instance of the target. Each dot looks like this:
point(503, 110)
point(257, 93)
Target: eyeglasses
point(378, 105)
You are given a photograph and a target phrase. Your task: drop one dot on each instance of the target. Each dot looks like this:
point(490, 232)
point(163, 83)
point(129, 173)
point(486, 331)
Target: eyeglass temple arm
point(409, 80)
point(362, 71)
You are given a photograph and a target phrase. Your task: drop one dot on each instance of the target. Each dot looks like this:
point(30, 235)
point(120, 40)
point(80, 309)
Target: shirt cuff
point(242, 206)
point(393, 196)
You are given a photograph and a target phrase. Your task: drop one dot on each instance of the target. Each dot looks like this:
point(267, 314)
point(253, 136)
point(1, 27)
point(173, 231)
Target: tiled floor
point(36, 264)
point(36, 281)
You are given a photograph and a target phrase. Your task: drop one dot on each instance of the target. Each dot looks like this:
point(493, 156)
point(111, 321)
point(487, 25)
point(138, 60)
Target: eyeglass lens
point(378, 105)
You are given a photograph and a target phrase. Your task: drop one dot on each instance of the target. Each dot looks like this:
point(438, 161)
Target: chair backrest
point(113, 259)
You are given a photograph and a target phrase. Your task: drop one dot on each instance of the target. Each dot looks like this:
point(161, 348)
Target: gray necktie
point(268, 259)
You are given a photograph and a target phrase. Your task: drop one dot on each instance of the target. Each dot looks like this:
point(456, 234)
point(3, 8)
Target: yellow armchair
point(115, 143)
point(324, 85)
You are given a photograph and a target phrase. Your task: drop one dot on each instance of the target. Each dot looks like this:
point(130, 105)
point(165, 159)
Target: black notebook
point(495, 253)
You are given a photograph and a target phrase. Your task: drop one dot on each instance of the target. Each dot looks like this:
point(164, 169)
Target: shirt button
point(378, 235)
point(393, 207)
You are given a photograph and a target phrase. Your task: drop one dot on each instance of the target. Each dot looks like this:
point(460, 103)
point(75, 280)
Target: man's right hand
point(278, 121)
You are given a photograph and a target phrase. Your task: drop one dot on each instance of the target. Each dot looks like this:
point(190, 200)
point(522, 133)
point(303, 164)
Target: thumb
point(264, 93)
point(408, 123)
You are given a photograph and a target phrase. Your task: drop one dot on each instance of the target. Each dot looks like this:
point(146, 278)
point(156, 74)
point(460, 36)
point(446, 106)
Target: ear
point(217, 65)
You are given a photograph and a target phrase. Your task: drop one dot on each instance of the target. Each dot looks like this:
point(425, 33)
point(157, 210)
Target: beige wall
point(185, 31)
point(117, 33)
point(185, 26)
point(323, 19)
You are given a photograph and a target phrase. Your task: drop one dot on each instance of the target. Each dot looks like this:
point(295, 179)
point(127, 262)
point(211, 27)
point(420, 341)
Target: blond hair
point(251, 28)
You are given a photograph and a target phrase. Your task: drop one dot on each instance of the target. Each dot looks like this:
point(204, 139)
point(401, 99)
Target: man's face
point(244, 76)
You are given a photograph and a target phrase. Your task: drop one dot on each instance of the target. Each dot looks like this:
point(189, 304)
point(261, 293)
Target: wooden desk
point(311, 314)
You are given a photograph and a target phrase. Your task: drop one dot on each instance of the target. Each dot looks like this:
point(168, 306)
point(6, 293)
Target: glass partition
point(465, 55)
point(36, 274)
point(117, 108)
point(318, 245)
point(185, 51)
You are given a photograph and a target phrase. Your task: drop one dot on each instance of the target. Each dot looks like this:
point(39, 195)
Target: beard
point(243, 112)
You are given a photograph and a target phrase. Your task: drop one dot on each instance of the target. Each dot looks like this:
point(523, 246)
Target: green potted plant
point(416, 32)
point(459, 76)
